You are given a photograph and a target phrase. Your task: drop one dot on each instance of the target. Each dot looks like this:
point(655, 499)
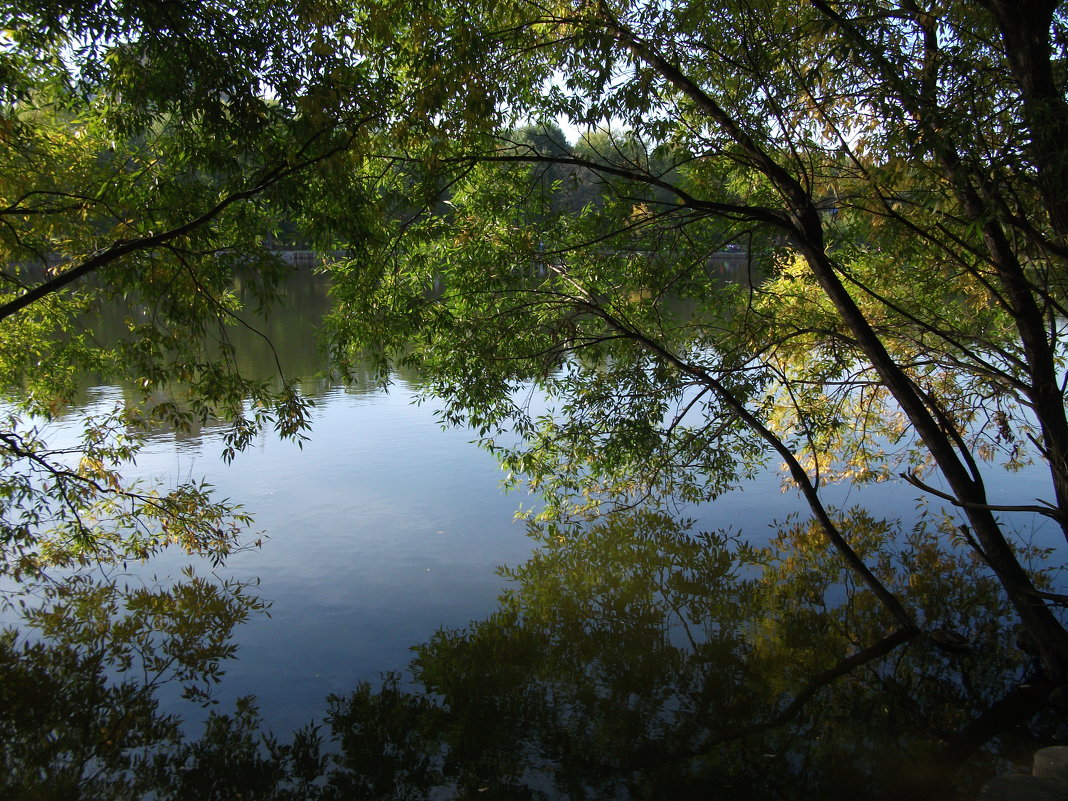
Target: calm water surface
point(383, 527)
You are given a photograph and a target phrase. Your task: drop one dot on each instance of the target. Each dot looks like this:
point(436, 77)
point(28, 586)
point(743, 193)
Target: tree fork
point(1051, 637)
point(807, 233)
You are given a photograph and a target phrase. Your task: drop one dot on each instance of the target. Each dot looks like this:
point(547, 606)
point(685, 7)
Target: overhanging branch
point(1047, 511)
point(124, 247)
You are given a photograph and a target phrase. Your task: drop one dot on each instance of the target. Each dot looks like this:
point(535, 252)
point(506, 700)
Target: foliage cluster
point(898, 173)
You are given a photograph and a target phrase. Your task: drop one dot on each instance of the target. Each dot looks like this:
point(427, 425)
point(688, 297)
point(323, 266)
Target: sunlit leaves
point(73, 508)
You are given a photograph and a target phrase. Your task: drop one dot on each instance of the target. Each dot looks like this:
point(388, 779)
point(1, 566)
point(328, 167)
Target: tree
point(80, 679)
point(897, 166)
point(148, 151)
point(897, 172)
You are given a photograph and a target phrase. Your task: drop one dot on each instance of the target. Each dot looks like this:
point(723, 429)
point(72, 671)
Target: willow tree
point(148, 152)
point(899, 168)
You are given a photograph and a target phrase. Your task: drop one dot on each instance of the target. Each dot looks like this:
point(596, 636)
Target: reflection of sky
point(383, 528)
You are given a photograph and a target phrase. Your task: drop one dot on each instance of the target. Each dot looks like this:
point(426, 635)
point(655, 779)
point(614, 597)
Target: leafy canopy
point(149, 153)
point(894, 172)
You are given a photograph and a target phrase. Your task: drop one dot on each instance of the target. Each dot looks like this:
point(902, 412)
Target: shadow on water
point(630, 658)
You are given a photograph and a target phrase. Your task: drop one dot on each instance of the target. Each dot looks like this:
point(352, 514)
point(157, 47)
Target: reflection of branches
point(87, 664)
point(845, 666)
point(1016, 707)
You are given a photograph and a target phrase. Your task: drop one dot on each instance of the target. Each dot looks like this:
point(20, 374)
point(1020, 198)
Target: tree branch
point(124, 247)
point(821, 680)
point(1047, 511)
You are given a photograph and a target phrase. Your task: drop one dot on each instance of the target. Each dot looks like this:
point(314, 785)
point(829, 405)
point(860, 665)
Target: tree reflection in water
point(79, 685)
point(635, 659)
point(632, 658)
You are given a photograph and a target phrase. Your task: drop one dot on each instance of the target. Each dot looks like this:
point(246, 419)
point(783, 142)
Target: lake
point(384, 528)
point(380, 529)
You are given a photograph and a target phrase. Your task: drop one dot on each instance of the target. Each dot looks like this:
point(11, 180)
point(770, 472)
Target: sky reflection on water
point(384, 528)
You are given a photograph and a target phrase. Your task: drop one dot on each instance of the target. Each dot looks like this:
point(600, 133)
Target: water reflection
point(634, 658)
point(81, 679)
point(275, 344)
point(630, 658)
